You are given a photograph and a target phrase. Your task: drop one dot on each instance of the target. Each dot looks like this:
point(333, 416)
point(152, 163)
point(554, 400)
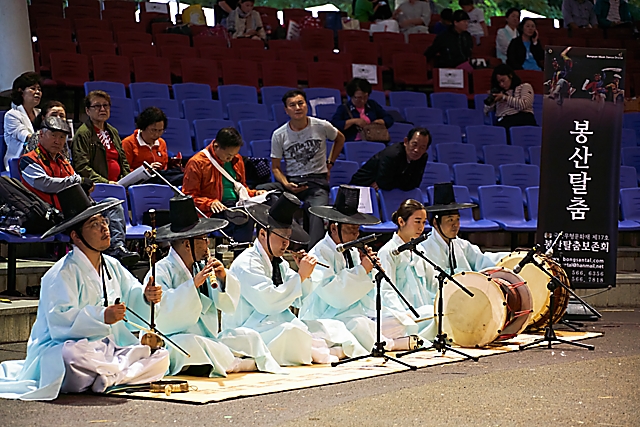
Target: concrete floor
point(565, 386)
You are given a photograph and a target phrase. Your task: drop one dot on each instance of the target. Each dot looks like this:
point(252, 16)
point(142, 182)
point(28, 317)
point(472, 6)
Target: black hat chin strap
point(452, 255)
point(102, 268)
point(347, 254)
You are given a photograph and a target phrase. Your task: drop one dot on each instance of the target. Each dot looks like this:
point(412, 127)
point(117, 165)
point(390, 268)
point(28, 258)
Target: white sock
point(338, 352)
point(243, 365)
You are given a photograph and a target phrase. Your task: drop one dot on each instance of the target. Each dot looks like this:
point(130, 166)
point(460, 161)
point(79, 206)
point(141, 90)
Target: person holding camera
point(525, 51)
point(511, 99)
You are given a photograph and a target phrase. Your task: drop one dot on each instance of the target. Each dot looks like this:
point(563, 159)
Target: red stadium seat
point(96, 48)
point(46, 48)
point(482, 80)
point(294, 14)
point(486, 48)
point(160, 27)
point(51, 22)
point(388, 50)
point(327, 74)
point(209, 41)
point(125, 37)
point(152, 69)
point(437, 88)
point(119, 15)
point(421, 42)
point(69, 69)
point(278, 45)
point(317, 39)
point(410, 69)
point(256, 55)
point(388, 38)
point(122, 5)
point(111, 68)
point(279, 73)
point(162, 40)
point(362, 52)
point(134, 50)
point(92, 23)
point(218, 55)
point(54, 34)
point(247, 44)
point(198, 70)
point(301, 58)
point(240, 72)
point(82, 12)
point(534, 78)
point(90, 35)
point(351, 36)
point(119, 25)
point(175, 54)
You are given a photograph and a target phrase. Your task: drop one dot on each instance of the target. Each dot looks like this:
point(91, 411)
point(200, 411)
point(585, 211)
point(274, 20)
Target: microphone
point(411, 244)
point(526, 260)
point(549, 251)
point(356, 243)
point(233, 246)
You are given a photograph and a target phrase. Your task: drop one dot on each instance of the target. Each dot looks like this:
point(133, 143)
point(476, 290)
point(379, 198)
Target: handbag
point(372, 132)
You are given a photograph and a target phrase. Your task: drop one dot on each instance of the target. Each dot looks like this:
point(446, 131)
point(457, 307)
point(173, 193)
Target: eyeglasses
point(99, 224)
point(35, 88)
point(156, 131)
point(99, 107)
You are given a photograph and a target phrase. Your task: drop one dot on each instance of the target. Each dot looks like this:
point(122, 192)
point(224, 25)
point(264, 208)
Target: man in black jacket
point(453, 47)
point(400, 165)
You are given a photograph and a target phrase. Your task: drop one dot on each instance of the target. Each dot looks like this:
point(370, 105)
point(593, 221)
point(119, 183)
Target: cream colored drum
point(519, 300)
point(537, 281)
point(473, 321)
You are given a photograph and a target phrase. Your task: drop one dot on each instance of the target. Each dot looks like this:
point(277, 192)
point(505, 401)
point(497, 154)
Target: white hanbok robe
point(342, 294)
point(190, 319)
point(70, 323)
point(415, 279)
point(264, 307)
point(468, 256)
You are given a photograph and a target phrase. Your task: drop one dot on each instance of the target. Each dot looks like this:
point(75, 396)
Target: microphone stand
point(378, 349)
point(175, 189)
point(550, 333)
point(441, 342)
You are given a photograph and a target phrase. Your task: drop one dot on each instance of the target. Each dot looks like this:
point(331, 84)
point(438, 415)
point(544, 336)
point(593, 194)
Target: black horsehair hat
point(77, 207)
point(185, 223)
point(279, 217)
point(444, 201)
point(345, 208)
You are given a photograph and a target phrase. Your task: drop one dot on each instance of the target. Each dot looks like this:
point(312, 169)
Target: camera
point(491, 99)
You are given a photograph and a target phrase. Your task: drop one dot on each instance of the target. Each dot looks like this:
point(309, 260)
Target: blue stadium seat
point(390, 201)
point(628, 177)
point(478, 101)
point(112, 88)
point(200, 109)
point(104, 191)
point(379, 97)
point(231, 94)
point(325, 111)
point(375, 211)
point(535, 154)
point(256, 129)
point(497, 155)
point(446, 101)
point(323, 92)
point(631, 157)
point(520, 175)
point(361, 151)
point(525, 137)
point(405, 99)
point(454, 153)
point(14, 168)
point(467, 223)
point(630, 208)
point(168, 106)
point(628, 138)
point(245, 111)
point(479, 136)
point(12, 262)
point(537, 108)
point(503, 204)
point(435, 173)
point(424, 116)
point(148, 196)
point(532, 195)
point(473, 175)
point(342, 171)
point(182, 91)
point(445, 134)
point(122, 116)
point(464, 117)
point(261, 148)
point(632, 121)
point(148, 90)
point(177, 135)
point(208, 129)
point(279, 115)
point(396, 113)
point(273, 95)
point(399, 131)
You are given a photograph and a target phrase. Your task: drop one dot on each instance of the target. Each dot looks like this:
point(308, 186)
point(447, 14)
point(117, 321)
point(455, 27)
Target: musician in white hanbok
point(443, 246)
point(79, 340)
point(192, 296)
point(413, 276)
point(269, 287)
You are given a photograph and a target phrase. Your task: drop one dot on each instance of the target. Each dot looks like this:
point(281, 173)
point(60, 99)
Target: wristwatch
point(329, 162)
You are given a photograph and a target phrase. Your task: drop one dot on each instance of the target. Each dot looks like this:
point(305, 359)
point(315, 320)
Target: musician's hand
point(202, 275)
point(152, 293)
point(306, 266)
point(297, 256)
point(114, 313)
point(366, 262)
point(219, 270)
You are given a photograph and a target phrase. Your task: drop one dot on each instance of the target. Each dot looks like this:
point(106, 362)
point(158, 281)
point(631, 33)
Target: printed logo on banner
point(580, 160)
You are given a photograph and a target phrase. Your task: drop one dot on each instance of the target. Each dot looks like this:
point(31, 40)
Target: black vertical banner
point(580, 164)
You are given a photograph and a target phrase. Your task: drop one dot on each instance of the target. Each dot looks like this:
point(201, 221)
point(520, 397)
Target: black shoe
point(125, 256)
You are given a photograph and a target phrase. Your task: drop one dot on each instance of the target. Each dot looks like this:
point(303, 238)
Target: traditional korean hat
point(77, 207)
point(444, 201)
point(279, 217)
point(185, 223)
point(345, 208)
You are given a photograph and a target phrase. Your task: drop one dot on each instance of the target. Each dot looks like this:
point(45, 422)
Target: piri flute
point(321, 264)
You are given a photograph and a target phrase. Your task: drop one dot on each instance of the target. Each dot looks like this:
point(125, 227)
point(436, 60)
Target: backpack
point(20, 207)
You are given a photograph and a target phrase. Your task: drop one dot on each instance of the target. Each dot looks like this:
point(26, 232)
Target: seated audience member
point(50, 109)
point(512, 100)
point(302, 143)
point(46, 171)
point(400, 165)
point(371, 10)
point(97, 149)
point(215, 178)
point(244, 22)
point(525, 51)
point(508, 33)
point(147, 145)
point(413, 17)
point(269, 287)
point(222, 9)
point(26, 93)
point(446, 20)
point(452, 49)
point(194, 287)
point(477, 26)
point(413, 276)
point(79, 341)
point(443, 246)
point(613, 13)
point(579, 14)
point(359, 111)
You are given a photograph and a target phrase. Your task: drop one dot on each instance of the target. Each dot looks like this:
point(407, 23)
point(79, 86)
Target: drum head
point(536, 280)
point(473, 321)
point(520, 312)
